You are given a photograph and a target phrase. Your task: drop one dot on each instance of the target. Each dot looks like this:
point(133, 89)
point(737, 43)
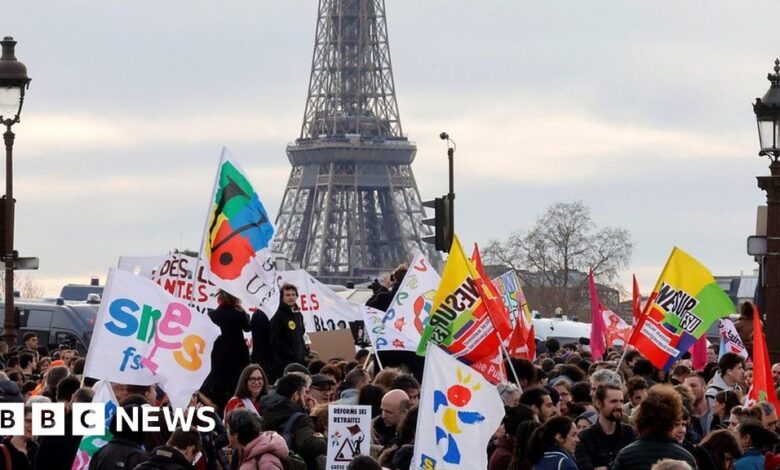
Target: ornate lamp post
point(767, 111)
point(13, 83)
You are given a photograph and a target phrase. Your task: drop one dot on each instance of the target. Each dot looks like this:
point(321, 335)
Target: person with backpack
point(731, 368)
point(256, 450)
point(285, 412)
point(179, 453)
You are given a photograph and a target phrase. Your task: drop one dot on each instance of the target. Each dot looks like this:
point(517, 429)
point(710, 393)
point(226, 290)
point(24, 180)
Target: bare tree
point(26, 285)
point(563, 241)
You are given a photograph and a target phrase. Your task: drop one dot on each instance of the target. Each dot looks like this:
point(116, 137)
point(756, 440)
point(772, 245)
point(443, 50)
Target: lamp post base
point(771, 185)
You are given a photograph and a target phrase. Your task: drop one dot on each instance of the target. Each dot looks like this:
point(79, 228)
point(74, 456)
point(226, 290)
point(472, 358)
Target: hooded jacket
point(277, 409)
point(717, 384)
point(265, 452)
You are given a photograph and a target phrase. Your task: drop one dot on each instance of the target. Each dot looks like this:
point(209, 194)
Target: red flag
point(597, 346)
point(522, 344)
point(497, 311)
point(636, 302)
point(763, 388)
point(615, 328)
point(699, 353)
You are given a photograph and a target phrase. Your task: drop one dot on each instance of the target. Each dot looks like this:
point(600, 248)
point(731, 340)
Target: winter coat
point(119, 453)
point(260, 326)
point(647, 450)
point(557, 459)
point(383, 434)
point(265, 452)
point(165, 458)
point(287, 344)
point(382, 298)
point(230, 349)
point(19, 461)
point(752, 459)
point(598, 449)
point(58, 452)
point(717, 384)
point(277, 409)
point(502, 454)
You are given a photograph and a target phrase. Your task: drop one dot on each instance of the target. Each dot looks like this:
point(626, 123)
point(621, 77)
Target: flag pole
point(633, 332)
point(509, 360)
point(376, 355)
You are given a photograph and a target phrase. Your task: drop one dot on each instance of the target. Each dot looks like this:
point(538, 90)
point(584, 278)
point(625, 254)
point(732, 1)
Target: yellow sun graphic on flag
point(458, 395)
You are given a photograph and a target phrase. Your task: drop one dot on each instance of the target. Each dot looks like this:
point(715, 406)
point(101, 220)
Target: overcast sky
point(642, 110)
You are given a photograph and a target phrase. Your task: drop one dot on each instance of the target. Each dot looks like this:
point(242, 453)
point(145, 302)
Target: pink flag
point(597, 346)
point(699, 353)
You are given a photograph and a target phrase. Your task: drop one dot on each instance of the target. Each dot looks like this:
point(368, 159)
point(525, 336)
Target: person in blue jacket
point(754, 440)
point(552, 445)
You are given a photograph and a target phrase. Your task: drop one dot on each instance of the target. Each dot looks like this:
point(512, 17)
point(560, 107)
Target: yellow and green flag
point(685, 302)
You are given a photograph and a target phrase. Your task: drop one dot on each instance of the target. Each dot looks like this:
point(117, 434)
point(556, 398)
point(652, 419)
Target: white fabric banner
point(459, 413)
point(322, 309)
point(349, 434)
point(237, 239)
point(383, 337)
point(730, 340)
point(143, 335)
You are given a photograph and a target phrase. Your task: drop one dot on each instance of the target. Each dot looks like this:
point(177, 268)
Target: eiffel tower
point(351, 209)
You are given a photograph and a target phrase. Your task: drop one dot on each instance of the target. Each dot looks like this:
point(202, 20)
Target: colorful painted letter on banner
point(401, 327)
point(458, 414)
point(685, 302)
point(349, 434)
point(237, 240)
point(459, 321)
point(90, 444)
point(730, 340)
point(510, 291)
point(144, 335)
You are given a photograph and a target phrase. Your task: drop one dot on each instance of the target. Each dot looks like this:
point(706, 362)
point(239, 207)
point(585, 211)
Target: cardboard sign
point(349, 434)
point(336, 343)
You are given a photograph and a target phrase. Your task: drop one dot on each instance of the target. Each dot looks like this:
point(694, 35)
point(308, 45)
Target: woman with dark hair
point(252, 386)
point(520, 453)
point(654, 421)
point(552, 445)
point(399, 455)
point(230, 354)
point(725, 401)
point(754, 440)
point(717, 451)
point(372, 395)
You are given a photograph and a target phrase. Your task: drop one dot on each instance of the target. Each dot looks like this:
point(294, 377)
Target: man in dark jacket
point(285, 412)
point(124, 450)
point(287, 332)
point(179, 453)
point(383, 297)
point(654, 420)
point(600, 443)
point(58, 451)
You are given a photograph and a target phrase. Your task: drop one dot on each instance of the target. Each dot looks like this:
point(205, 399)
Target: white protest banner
point(730, 340)
point(383, 337)
point(408, 313)
point(617, 331)
point(143, 335)
point(459, 413)
point(322, 309)
point(349, 434)
point(237, 239)
point(173, 273)
point(90, 444)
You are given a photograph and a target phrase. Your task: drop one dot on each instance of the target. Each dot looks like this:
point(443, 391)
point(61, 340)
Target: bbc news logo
point(89, 419)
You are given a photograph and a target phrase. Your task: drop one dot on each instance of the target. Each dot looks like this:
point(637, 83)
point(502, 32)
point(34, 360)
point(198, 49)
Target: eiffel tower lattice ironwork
point(351, 209)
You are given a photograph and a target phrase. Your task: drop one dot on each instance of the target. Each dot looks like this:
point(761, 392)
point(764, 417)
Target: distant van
point(56, 322)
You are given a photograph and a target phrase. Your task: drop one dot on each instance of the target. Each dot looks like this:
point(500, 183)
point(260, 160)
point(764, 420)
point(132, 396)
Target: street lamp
point(13, 83)
point(767, 111)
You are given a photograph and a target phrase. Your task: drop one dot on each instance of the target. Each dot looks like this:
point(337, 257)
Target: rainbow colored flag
point(685, 302)
point(237, 246)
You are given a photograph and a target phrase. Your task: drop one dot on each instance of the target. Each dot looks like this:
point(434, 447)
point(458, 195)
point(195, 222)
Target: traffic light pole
point(451, 195)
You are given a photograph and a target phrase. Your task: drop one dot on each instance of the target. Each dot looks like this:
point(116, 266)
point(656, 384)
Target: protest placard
point(349, 434)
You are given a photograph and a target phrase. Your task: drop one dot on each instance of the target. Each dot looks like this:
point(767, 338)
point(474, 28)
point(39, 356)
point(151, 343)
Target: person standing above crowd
point(384, 296)
point(287, 331)
point(600, 443)
point(230, 354)
point(260, 326)
point(655, 420)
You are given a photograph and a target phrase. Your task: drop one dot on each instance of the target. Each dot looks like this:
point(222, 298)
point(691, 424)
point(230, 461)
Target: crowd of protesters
point(563, 411)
